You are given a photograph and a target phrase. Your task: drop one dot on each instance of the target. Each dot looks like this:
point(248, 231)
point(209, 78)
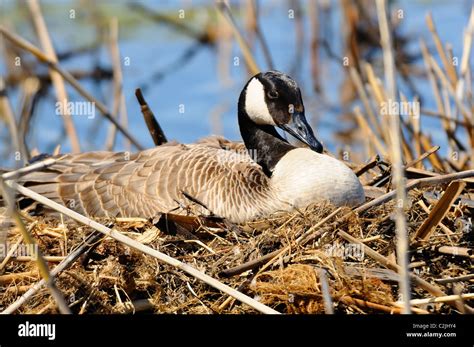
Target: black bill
point(301, 130)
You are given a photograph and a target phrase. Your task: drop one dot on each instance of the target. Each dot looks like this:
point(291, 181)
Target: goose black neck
point(265, 146)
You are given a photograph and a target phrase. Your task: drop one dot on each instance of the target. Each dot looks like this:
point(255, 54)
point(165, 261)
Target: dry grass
point(111, 276)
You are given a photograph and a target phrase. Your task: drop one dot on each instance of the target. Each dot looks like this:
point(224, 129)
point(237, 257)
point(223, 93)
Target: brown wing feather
point(111, 184)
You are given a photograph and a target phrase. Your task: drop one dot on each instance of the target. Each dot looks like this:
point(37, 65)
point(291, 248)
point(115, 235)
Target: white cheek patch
point(255, 104)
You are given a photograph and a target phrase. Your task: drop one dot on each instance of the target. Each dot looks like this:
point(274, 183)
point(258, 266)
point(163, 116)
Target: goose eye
point(272, 94)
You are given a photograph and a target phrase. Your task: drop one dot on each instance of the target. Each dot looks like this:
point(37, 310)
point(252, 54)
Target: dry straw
point(285, 261)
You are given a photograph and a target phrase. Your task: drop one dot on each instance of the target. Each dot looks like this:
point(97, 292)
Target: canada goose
point(275, 176)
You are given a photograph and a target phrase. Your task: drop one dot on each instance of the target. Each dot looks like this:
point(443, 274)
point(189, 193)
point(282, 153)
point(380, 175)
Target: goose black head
point(274, 98)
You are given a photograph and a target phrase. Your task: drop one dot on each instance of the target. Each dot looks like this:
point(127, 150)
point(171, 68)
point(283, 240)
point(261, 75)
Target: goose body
point(217, 173)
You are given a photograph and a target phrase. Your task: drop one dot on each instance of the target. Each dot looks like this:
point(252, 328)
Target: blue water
point(210, 106)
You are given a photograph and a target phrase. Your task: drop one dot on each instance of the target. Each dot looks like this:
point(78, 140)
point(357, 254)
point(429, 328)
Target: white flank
point(303, 177)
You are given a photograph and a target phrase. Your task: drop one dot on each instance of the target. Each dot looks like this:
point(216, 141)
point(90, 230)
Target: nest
point(111, 277)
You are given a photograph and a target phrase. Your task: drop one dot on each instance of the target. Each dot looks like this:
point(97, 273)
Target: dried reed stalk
point(367, 304)
point(328, 305)
point(56, 78)
point(259, 34)
point(369, 132)
point(118, 98)
point(396, 153)
point(33, 167)
point(157, 134)
point(457, 251)
point(447, 298)
point(357, 80)
point(224, 10)
point(440, 210)
point(439, 47)
point(9, 117)
point(427, 210)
